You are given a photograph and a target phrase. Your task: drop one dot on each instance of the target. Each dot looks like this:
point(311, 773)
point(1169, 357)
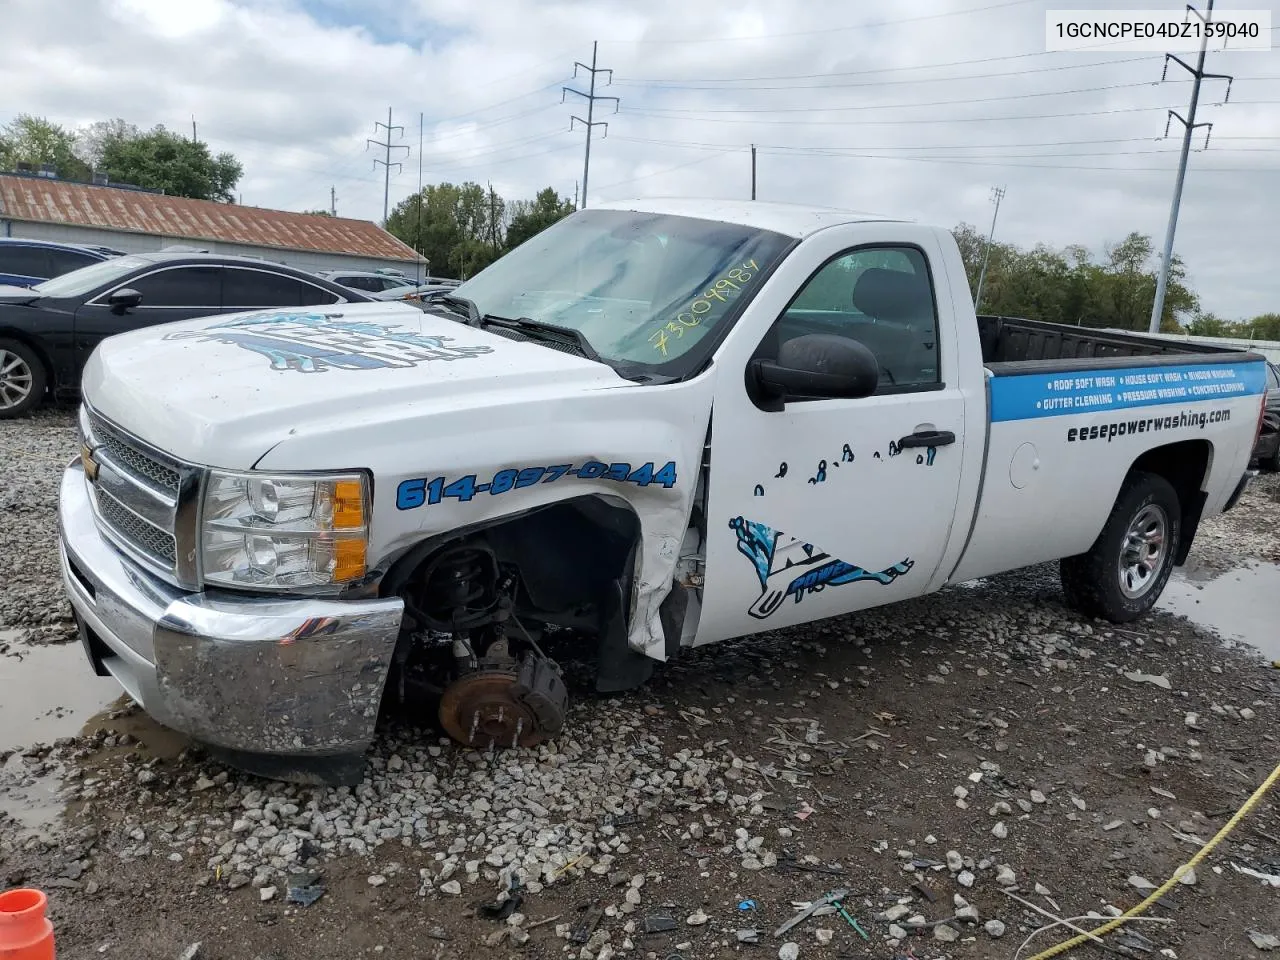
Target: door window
point(64, 261)
point(881, 297)
point(262, 288)
point(187, 287)
point(24, 261)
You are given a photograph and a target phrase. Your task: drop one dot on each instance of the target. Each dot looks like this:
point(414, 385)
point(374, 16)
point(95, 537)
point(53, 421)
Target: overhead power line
point(931, 120)
point(1189, 126)
point(590, 123)
point(750, 83)
point(870, 71)
point(387, 163)
point(902, 106)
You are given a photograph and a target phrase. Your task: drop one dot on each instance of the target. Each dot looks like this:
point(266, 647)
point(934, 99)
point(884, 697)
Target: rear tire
point(1122, 575)
point(1272, 463)
point(22, 379)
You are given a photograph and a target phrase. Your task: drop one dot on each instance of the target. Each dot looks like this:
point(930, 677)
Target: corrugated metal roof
point(112, 208)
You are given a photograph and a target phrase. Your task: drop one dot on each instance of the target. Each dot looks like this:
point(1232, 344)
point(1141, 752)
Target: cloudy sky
point(915, 108)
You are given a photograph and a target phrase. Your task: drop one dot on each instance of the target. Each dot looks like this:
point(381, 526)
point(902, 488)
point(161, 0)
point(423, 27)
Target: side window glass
point(179, 287)
point(64, 261)
point(881, 297)
point(246, 289)
point(24, 261)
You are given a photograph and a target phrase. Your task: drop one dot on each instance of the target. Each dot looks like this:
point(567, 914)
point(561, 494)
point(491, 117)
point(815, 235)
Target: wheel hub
point(15, 379)
point(1142, 553)
point(488, 709)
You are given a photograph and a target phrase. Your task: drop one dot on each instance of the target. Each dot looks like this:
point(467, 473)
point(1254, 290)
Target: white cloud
point(293, 87)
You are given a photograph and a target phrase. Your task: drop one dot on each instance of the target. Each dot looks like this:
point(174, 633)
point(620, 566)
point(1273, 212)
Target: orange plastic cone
point(25, 932)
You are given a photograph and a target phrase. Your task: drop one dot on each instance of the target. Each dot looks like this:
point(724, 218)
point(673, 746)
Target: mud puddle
point(49, 692)
point(1239, 604)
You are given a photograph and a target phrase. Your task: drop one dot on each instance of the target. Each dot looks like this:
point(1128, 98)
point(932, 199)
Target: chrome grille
point(144, 535)
point(141, 465)
point(145, 501)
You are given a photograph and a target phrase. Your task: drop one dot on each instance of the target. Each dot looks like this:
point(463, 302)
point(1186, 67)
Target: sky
point(913, 109)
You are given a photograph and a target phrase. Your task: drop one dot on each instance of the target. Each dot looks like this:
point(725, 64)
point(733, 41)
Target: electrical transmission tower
point(590, 123)
point(997, 194)
point(386, 163)
point(1189, 126)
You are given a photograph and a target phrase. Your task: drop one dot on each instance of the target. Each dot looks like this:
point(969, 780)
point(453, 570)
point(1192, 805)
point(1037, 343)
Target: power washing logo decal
point(789, 567)
point(315, 342)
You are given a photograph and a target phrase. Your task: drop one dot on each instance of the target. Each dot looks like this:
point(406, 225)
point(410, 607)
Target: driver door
point(833, 505)
point(168, 294)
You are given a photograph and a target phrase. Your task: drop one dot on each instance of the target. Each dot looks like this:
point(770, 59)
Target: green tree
point(1068, 286)
point(1265, 326)
point(1208, 325)
point(318, 213)
point(35, 140)
point(92, 139)
point(529, 218)
point(163, 160)
point(460, 229)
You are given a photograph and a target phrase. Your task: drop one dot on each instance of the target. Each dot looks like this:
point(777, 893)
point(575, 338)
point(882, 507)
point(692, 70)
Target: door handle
point(927, 438)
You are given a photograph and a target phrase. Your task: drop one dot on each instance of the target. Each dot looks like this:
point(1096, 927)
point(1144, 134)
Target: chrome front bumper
point(296, 679)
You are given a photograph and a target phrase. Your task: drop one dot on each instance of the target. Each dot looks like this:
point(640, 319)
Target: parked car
point(24, 263)
point(49, 330)
point(1267, 450)
point(656, 426)
point(415, 292)
point(367, 281)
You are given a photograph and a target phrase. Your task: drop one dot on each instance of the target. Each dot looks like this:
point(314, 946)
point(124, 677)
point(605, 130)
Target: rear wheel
point(22, 379)
point(1272, 463)
point(1123, 574)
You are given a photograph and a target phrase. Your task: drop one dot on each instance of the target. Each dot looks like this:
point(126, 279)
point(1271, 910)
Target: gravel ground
point(35, 451)
point(932, 758)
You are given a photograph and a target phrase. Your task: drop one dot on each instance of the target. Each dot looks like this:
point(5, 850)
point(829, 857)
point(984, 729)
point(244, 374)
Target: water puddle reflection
point(1241, 604)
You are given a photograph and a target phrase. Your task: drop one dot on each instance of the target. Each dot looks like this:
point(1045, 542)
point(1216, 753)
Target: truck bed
point(1012, 346)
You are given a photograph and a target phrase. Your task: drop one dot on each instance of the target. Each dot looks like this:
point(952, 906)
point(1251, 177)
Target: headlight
point(284, 532)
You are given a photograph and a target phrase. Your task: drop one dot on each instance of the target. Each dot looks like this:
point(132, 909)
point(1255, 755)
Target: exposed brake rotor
point(501, 708)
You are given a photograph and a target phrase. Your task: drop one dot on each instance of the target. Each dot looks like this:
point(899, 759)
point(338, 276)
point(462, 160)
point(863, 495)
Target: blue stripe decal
point(1031, 396)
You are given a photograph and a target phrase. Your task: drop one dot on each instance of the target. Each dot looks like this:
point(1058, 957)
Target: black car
point(24, 263)
point(1267, 449)
point(48, 331)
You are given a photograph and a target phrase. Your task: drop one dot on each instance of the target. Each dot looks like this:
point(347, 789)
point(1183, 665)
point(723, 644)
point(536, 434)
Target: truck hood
point(222, 391)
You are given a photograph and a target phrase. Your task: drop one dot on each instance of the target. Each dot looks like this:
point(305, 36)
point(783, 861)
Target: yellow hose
point(1178, 874)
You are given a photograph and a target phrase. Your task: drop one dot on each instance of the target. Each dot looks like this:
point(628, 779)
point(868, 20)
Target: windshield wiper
point(460, 305)
point(548, 332)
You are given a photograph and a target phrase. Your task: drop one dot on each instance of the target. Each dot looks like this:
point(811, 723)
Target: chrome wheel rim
point(16, 380)
point(1142, 553)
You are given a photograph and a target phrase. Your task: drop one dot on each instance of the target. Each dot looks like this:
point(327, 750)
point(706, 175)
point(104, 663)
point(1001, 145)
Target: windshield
point(79, 282)
point(641, 288)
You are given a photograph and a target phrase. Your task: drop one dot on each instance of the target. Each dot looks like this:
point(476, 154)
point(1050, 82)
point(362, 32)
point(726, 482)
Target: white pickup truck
point(652, 426)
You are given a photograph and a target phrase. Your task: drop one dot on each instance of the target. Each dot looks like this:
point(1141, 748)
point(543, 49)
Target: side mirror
point(126, 298)
point(816, 365)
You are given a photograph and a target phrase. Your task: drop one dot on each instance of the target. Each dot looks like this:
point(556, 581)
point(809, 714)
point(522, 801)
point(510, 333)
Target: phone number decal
point(722, 289)
point(419, 491)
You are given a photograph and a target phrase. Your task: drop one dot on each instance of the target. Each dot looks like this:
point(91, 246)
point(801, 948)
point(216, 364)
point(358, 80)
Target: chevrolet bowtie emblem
point(90, 464)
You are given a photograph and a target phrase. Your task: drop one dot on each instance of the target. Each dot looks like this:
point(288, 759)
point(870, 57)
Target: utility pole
point(333, 201)
point(590, 123)
point(417, 233)
point(387, 164)
point(194, 137)
point(1188, 127)
point(997, 194)
point(753, 171)
point(575, 194)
